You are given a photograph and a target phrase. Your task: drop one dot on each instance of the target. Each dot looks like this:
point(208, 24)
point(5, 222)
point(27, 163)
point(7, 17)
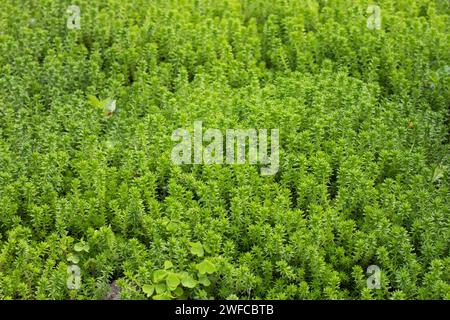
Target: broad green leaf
point(178, 291)
point(188, 282)
point(168, 265)
point(81, 246)
point(206, 267)
point(148, 289)
point(163, 296)
point(160, 288)
point(159, 275)
point(108, 104)
point(94, 101)
point(73, 258)
point(172, 281)
point(197, 249)
point(204, 280)
point(171, 226)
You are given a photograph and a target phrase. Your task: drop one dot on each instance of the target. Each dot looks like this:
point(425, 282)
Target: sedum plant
point(363, 117)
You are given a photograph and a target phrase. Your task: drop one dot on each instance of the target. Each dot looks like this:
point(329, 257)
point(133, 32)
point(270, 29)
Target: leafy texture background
point(364, 132)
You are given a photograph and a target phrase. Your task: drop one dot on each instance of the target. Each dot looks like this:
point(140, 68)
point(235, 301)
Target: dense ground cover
point(363, 116)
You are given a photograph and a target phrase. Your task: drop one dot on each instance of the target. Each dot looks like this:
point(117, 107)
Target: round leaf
point(73, 258)
point(148, 289)
point(172, 281)
point(189, 282)
point(204, 281)
point(163, 296)
point(159, 275)
point(206, 267)
point(178, 291)
point(168, 265)
point(197, 249)
point(160, 288)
